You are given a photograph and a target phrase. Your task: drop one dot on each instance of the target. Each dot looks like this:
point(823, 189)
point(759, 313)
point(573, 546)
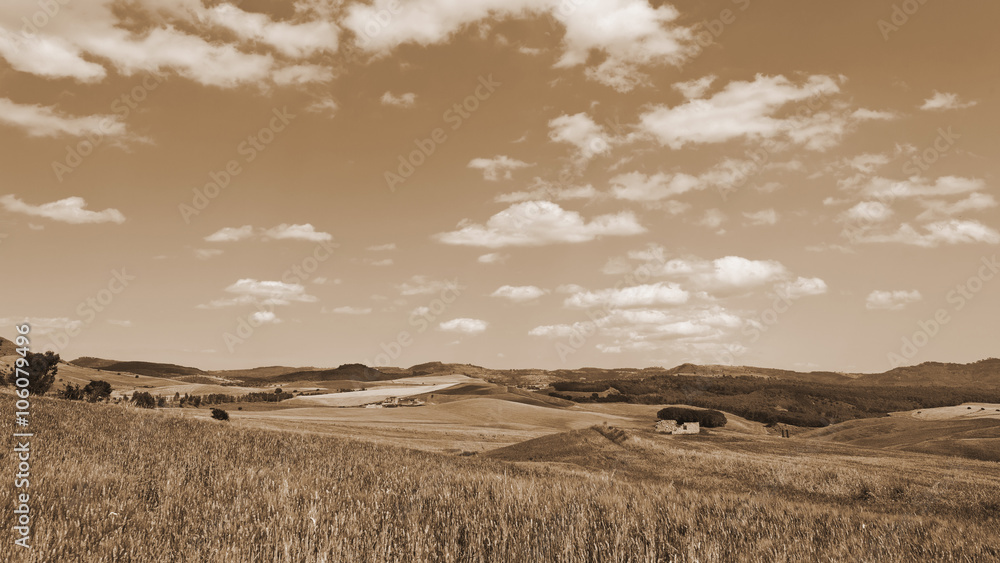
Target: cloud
point(44, 121)
point(296, 232)
point(713, 219)
point(493, 258)
point(630, 34)
point(422, 285)
point(936, 208)
point(379, 262)
point(264, 317)
point(405, 100)
point(580, 131)
point(867, 163)
point(519, 294)
point(543, 190)
point(536, 223)
point(736, 271)
point(249, 291)
point(326, 105)
point(497, 167)
point(762, 217)
point(121, 323)
point(802, 287)
point(464, 325)
point(892, 300)
point(636, 186)
point(743, 109)
point(292, 40)
point(43, 326)
point(868, 212)
point(941, 101)
point(231, 234)
point(382, 247)
point(935, 234)
point(70, 210)
point(636, 296)
point(695, 88)
point(206, 253)
point(47, 56)
point(352, 310)
point(884, 188)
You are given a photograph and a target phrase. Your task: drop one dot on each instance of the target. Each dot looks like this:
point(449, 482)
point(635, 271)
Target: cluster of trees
point(776, 401)
point(705, 418)
point(39, 368)
point(94, 391)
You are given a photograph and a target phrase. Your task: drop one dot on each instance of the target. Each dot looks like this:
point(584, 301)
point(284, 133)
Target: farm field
point(117, 483)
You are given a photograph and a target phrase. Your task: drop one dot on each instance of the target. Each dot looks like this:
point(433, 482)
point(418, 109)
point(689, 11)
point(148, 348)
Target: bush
point(219, 414)
point(97, 390)
point(41, 368)
point(704, 417)
point(144, 400)
point(72, 392)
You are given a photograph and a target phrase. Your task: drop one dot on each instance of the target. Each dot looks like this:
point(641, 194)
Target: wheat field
point(114, 483)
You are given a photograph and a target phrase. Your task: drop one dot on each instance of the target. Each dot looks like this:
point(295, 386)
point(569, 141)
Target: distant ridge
point(152, 369)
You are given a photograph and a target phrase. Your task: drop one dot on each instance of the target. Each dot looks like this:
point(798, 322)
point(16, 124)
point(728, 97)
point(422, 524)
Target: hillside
point(354, 372)
point(984, 372)
point(152, 369)
point(973, 439)
point(7, 348)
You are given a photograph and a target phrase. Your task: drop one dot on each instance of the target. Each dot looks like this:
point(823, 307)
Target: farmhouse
point(672, 427)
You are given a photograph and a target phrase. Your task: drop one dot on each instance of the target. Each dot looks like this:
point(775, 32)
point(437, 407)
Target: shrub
point(41, 368)
point(704, 417)
point(72, 392)
point(144, 400)
point(97, 390)
point(219, 414)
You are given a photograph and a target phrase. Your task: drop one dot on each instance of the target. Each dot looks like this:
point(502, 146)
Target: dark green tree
point(144, 400)
point(97, 390)
point(42, 369)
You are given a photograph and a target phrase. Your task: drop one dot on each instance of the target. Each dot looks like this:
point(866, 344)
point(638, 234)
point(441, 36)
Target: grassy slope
point(200, 490)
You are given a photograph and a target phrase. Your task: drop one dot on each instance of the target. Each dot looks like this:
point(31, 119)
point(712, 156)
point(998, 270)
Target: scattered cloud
point(519, 294)
point(352, 310)
point(423, 285)
point(536, 223)
point(405, 100)
point(382, 247)
point(892, 300)
point(464, 325)
point(762, 217)
point(493, 258)
point(248, 291)
point(941, 101)
point(231, 234)
point(206, 253)
point(580, 131)
point(296, 232)
point(636, 296)
point(45, 121)
point(497, 167)
point(70, 210)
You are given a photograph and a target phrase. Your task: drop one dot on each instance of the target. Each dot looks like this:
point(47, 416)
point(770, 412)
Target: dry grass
point(197, 490)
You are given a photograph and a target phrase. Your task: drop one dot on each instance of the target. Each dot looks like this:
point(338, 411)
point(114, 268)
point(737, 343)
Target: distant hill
point(151, 369)
point(984, 373)
point(766, 373)
point(354, 372)
point(261, 372)
point(7, 348)
point(973, 439)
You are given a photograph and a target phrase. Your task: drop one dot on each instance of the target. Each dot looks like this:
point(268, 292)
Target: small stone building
point(672, 427)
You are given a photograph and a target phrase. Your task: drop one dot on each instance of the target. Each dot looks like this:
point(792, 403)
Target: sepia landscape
point(484, 281)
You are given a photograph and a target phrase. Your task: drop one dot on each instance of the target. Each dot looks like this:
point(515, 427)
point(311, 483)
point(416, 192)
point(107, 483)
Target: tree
point(41, 368)
point(219, 414)
point(97, 390)
point(704, 417)
point(144, 400)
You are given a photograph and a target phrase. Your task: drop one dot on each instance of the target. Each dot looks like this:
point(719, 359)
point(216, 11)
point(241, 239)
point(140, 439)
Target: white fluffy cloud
point(291, 39)
point(231, 234)
point(762, 217)
point(519, 294)
point(892, 300)
point(952, 231)
point(296, 232)
point(404, 100)
point(944, 101)
point(743, 109)
point(497, 167)
point(535, 223)
point(636, 296)
point(580, 131)
point(248, 291)
point(69, 210)
point(347, 310)
point(464, 325)
point(45, 121)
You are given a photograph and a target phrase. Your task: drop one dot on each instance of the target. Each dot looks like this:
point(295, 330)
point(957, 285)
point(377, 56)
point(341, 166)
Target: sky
point(513, 184)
